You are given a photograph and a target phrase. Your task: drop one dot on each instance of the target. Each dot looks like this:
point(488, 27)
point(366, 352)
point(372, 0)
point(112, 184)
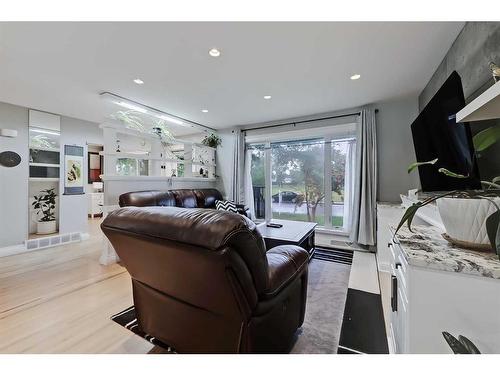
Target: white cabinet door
point(399, 299)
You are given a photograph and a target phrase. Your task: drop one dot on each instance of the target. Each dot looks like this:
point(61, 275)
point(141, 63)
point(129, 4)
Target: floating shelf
point(139, 156)
point(201, 164)
point(124, 130)
point(43, 179)
point(485, 107)
point(155, 178)
point(44, 165)
point(45, 149)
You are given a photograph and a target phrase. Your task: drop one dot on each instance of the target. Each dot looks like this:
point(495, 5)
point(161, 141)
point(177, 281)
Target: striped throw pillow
point(226, 206)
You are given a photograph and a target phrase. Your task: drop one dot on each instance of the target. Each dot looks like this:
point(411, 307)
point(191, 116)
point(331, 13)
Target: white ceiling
point(62, 67)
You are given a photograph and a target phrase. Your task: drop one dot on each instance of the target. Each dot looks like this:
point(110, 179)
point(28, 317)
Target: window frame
point(328, 137)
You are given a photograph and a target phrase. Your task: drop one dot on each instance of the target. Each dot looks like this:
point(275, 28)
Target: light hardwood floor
point(59, 300)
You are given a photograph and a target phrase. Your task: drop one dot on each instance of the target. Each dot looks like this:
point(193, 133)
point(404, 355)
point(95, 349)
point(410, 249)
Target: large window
point(304, 180)
point(297, 170)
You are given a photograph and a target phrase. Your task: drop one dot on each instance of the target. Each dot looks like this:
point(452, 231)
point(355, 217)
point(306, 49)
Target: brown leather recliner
point(204, 283)
point(187, 198)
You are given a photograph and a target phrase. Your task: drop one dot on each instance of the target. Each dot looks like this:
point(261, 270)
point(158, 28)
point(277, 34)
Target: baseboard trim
point(43, 243)
point(12, 250)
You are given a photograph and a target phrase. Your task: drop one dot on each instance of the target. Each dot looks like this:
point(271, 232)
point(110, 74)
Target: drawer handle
point(394, 293)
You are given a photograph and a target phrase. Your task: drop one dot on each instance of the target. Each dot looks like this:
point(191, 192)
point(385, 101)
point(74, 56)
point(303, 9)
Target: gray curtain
point(237, 183)
point(248, 200)
point(363, 217)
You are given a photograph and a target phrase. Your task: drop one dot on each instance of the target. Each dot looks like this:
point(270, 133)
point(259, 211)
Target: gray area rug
point(326, 296)
point(320, 332)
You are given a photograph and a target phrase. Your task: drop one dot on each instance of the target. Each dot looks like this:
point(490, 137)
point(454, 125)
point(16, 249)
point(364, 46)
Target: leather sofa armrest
point(286, 263)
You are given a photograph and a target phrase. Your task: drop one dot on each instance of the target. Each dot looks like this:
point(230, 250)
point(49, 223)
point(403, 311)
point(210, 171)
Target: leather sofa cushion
point(284, 262)
point(185, 198)
point(213, 228)
point(206, 197)
point(147, 198)
point(188, 198)
point(209, 229)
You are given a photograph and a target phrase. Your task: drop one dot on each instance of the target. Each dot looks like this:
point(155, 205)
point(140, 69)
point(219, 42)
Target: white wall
point(14, 193)
point(395, 147)
point(73, 208)
point(14, 181)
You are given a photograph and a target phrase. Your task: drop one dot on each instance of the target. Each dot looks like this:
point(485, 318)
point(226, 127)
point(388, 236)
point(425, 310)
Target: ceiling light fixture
point(355, 77)
point(170, 119)
point(44, 131)
point(141, 108)
point(267, 97)
point(204, 110)
point(214, 52)
point(131, 106)
point(139, 81)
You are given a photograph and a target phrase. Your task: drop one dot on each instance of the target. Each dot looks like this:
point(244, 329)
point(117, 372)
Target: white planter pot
point(46, 227)
point(464, 219)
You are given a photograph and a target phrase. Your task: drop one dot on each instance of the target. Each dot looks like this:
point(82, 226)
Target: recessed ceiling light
point(204, 110)
point(139, 81)
point(355, 76)
point(267, 97)
point(214, 52)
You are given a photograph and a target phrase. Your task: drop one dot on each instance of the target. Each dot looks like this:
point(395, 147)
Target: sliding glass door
point(304, 180)
point(258, 175)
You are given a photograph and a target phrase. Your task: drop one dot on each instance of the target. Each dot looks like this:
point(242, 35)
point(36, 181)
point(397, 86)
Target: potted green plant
point(212, 140)
point(45, 205)
point(469, 215)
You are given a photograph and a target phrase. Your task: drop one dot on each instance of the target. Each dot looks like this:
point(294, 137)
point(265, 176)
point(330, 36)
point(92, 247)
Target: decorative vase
point(46, 227)
point(465, 219)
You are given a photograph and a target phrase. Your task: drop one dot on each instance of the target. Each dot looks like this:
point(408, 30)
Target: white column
point(156, 154)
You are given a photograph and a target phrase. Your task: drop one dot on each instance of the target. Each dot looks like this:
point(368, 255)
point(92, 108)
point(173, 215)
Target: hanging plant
point(161, 129)
point(212, 140)
point(131, 119)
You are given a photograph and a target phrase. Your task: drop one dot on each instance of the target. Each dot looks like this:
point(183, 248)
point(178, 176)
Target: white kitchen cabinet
point(437, 287)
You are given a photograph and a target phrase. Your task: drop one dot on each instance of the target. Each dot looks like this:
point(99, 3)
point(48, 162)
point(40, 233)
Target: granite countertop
point(425, 247)
point(389, 205)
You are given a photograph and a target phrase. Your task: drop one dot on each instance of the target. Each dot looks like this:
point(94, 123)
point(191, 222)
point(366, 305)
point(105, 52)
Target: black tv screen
point(436, 135)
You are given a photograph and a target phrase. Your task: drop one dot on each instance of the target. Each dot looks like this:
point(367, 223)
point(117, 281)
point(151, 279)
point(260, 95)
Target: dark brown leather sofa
point(188, 198)
point(203, 281)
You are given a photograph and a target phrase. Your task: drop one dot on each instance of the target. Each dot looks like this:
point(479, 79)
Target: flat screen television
point(437, 135)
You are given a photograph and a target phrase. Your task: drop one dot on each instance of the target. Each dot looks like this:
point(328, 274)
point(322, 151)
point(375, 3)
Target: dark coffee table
point(300, 233)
